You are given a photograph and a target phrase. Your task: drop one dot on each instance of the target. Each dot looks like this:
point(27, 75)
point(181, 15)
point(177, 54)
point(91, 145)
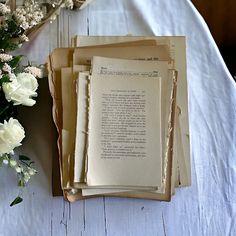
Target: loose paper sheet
point(157, 52)
point(143, 69)
point(81, 126)
point(68, 123)
point(132, 157)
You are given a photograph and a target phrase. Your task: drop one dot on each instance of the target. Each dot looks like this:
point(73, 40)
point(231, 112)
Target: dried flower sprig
point(18, 85)
point(29, 15)
point(70, 4)
point(23, 169)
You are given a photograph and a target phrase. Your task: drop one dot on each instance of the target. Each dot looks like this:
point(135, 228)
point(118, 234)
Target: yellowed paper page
point(143, 69)
point(80, 68)
point(158, 52)
point(81, 126)
point(178, 51)
point(97, 191)
point(83, 41)
point(124, 132)
point(67, 123)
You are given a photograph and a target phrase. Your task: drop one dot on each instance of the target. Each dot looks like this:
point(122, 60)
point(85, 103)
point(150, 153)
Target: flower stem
point(4, 109)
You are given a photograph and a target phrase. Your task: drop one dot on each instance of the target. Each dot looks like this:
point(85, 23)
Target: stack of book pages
point(120, 106)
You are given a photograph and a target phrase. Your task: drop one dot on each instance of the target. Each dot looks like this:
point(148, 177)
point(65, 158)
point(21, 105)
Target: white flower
point(32, 171)
point(36, 72)
point(4, 9)
point(11, 135)
point(6, 68)
point(18, 169)
point(5, 161)
point(23, 38)
point(28, 15)
point(13, 162)
point(69, 4)
point(25, 25)
point(26, 177)
point(5, 57)
point(78, 3)
point(21, 89)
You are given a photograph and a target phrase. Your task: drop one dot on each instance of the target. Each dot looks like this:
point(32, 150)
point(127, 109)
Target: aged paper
point(124, 132)
point(84, 41)
point(157, 52)
point(177, 49)
point(178, 43)
point(145, 69)
point(67, 123)
point(81, 126)
point(142, 68)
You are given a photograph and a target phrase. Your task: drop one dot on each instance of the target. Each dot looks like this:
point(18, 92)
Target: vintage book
point(103, 153)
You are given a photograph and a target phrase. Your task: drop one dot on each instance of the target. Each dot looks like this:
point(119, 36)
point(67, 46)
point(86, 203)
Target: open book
point(120, 108)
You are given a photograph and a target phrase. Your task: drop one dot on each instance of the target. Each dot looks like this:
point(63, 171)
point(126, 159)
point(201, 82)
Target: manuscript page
point(124, 132)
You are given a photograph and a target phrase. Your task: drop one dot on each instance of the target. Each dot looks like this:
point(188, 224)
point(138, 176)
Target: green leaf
point(1, 160)
point(17, 200)
point(3, 109)
point(21, 183)
point(15, 61)
point(5, 79)
point(24, 158)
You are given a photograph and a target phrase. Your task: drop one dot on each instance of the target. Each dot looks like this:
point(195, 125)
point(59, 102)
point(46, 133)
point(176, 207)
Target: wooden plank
point(76, 218)
point(59, 216)
point(78, 22)
point(95, 217)
point(133, 217)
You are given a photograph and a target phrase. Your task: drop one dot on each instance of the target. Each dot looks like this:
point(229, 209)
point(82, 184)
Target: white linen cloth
point(208, 207)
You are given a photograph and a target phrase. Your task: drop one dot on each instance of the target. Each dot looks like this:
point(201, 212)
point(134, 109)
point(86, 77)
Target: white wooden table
point(207, 207)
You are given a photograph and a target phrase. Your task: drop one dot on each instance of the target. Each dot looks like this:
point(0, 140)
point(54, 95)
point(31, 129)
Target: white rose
point(11, 135)
point(21, 89)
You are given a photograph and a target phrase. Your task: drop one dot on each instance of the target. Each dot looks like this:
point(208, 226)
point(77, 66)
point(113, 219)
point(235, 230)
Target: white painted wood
point(135, 217)
point(78, 22)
